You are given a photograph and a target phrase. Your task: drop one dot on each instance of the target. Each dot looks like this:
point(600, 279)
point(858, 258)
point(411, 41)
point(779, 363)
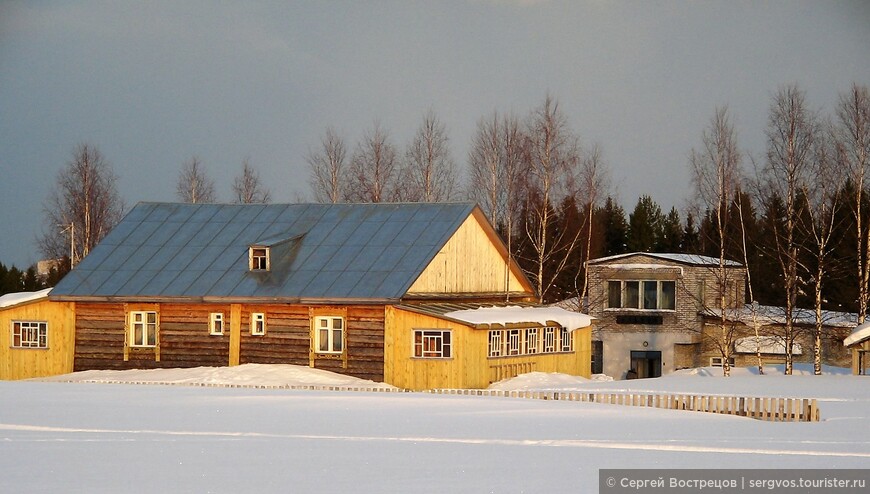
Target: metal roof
point(690, 259)
point(318, 251)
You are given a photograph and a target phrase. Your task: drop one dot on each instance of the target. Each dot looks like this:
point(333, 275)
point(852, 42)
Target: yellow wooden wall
point(404, 371)
point(24, 363)
point(470, 262)
point(469, 367)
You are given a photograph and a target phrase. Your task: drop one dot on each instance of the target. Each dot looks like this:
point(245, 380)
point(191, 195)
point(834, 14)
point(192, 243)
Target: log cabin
point(415, 295)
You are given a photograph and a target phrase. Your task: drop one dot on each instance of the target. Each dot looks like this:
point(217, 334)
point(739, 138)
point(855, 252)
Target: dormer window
point(259, 259)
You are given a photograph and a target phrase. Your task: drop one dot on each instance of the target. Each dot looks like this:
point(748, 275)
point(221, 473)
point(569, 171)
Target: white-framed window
point(258, 323)
point(259, 258)
point(216, 323)
point(565, 340)
point(549, 340)
point(642, 294)
point(29, 334)
point(495, 349)
point(143, 328)
point(433, 343)
point(529, 341)
point(532, 341)
point(329, 334)
point(717, 361)
point(514, 341)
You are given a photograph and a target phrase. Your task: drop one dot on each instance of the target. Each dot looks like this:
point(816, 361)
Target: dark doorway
point(646, 364)
point(597, 357)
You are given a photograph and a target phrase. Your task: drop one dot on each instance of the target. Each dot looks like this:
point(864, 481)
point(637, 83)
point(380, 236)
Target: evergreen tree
point(672, 233)
point(31, 282)
point(767, 276)
point(613, 228)
point(690, 241)
point(644, 225)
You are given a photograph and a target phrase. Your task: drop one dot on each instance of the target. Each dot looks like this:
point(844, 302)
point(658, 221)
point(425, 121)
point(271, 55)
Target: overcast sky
point(152, 84)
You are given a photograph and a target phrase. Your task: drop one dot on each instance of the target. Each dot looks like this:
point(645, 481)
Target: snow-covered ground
point(97, 437)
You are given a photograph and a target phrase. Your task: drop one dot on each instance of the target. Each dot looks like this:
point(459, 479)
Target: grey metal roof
point(690, 259)
point(318, 251)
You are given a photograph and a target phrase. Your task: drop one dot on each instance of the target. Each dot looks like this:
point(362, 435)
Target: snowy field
point(107, 436)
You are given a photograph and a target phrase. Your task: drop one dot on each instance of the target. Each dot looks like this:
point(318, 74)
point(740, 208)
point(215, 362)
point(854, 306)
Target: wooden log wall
point(185, 341)
point(286, 340)
point(184, 336)
point(99, 337)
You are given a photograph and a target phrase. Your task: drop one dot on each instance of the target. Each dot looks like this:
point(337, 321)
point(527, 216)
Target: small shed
point(859, 343)
point(36, 335)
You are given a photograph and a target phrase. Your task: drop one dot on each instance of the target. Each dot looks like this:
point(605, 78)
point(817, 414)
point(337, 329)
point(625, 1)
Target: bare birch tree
point(485, 168)
point(85, 203)
point(194, 186)
point(327, 168)
point(790, 133)
point(822, 193)
point(247, 187)
point(374, 169)
point(716, 175)
point(429, 169)
point(853, 150)
point(552, 153)
point(593, 180)
point(496, 160)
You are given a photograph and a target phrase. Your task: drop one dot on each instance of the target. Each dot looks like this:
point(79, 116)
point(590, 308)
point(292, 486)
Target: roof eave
point(227, 300)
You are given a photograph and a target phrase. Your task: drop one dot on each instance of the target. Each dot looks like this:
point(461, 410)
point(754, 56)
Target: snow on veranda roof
point(690, 259)
point(519, 315)
point(11, 299)
point(859, 334)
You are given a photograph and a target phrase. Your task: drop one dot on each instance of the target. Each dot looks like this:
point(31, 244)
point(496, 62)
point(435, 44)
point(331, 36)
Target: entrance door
point(646, 364)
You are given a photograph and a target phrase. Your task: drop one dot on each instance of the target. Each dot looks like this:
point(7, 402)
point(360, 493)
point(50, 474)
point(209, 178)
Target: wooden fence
point(770, 409)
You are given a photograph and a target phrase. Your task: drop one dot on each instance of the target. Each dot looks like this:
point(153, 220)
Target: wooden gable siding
point(472, 261)
point(25, 363)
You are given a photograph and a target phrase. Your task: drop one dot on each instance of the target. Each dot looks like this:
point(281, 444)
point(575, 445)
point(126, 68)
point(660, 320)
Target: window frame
point(514, 342)
point(330, 334)
point(495, 343)
point(529, 342)
point(258, 323)
point(39, 329)
point(259, 258)
point(532, 341)
point(549, 340)
point(717, 361)
point(216, 319)
point(441, 338)
point(634, 295)
point(147, 327)
point(566, 340)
